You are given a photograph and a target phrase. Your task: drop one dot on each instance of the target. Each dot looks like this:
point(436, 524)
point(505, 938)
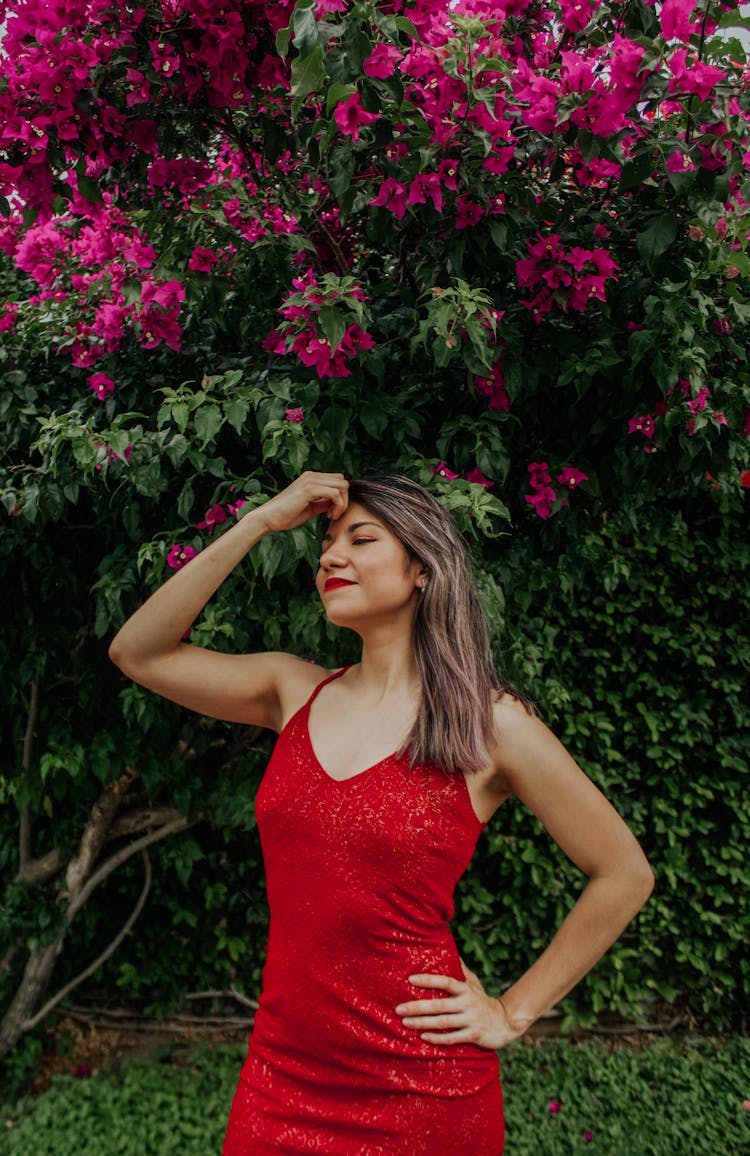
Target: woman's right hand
point(310, 494)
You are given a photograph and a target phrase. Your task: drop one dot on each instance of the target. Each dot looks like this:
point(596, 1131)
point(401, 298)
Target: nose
point(333, 555)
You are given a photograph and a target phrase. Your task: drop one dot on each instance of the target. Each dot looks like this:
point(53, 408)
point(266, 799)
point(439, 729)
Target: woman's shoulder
point(300, 678)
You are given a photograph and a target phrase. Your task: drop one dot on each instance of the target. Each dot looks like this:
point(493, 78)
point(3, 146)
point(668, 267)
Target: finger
point(446, 982)
point(432, 1023)
point(417, 1007)
point(465, 1036)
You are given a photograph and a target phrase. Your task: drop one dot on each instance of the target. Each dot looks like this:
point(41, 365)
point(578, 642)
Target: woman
point(372, 1036)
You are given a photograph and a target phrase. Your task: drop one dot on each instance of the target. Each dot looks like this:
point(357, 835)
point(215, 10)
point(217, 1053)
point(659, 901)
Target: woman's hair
point(454, 726)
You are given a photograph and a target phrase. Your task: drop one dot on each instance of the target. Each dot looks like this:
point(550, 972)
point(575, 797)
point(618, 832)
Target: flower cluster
point(322, 324)
point(540, 482)
point(694, 402)
point(567, 278)
point(475, 476)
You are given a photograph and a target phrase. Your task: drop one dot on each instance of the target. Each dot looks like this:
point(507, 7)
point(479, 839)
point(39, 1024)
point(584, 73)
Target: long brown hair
point(454, 727)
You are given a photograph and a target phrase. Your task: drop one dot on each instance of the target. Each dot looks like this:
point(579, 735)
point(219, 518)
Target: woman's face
point(365, 571)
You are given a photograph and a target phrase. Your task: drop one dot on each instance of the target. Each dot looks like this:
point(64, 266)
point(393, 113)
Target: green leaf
point(207, 421)
point(337, 93)
point(283, 37)
point(235, 412)
point(333, 324)
point(180, 412)
point(89, 189)
point(308, 74)
point(657, 237)
point(332, 428)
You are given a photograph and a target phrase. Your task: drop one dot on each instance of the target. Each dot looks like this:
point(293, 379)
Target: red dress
point(360, 876)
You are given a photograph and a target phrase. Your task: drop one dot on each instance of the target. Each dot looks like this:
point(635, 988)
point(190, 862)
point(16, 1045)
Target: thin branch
point(40, 1015)
point(9, 956)
point(133, 822)
point(39, 870)
point(121, 857)
point(231, 994)
point(94, 834)
point(24, 831)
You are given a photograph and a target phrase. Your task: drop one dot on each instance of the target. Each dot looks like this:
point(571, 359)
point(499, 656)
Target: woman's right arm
point(237, 687)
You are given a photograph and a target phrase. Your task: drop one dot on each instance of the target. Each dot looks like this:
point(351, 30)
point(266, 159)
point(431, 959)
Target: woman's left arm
point(533, 765)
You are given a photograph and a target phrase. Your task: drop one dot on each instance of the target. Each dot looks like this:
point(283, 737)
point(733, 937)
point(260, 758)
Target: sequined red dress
point(360, 876)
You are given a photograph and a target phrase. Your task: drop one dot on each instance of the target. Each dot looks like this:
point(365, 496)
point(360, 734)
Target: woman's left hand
point(466, 1016)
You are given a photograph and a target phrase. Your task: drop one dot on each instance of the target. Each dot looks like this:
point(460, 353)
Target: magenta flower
point(493, 387)
point(213, 517)
point(478, 479)
point(202, 260)
point(554, 1107)
point(101, 385)
point(179, 556)
point(588, 1136)
point(444, 471)
point(571, 477)
point(350, 116)
point(296, 416)
point(644, 424)
point(393, 196)
point(382, 61)
point(235, 507)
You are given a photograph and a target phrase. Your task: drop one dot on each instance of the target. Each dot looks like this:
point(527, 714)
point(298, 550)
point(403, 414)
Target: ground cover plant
point(500, 248)
point(561, 1098)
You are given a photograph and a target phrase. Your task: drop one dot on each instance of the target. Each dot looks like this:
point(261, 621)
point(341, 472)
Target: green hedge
point(655, 1102)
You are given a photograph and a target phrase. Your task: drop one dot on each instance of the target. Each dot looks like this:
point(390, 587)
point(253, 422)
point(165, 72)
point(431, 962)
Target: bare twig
point(231, 994)
point(100, 959)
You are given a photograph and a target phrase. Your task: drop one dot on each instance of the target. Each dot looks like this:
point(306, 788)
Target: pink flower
point(644, 424)
point(296, 416)
point(234, 507)
point(202, 260)
point(442, 470)
point(350, 116)
point(179, 556)
point(493, 387)
point(699, 402)
point(101, 385)
point(213, 517)
point(382, 61)
point(554, 1107)
point(392, 196)
point(675, 19)
point(571, 477)
point(588, 1136)
point(478, 479)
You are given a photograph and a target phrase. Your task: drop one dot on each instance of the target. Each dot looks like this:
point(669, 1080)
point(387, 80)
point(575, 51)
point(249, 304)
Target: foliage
point(499, 252)
point(655, 1102)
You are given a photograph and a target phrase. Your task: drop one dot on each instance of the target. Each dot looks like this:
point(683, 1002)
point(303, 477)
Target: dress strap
point(325, 682)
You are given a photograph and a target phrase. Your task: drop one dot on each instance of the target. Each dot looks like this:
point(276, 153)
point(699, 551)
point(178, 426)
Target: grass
point(668, 1099)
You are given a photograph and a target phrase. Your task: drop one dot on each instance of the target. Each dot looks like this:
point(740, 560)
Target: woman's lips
point(332, 583)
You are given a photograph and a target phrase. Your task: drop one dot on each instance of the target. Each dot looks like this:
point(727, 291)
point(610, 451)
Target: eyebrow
point(352, 528)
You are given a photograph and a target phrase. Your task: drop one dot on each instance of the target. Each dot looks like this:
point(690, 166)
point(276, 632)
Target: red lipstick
point(333, 582)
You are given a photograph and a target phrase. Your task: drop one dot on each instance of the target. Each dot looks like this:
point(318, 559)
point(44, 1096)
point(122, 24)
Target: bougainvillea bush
point(501, 248)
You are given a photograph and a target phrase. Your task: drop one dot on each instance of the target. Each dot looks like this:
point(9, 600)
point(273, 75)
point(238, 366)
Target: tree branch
point(95, 832)
point(132, 822)
point(39, 870)
point(122, 856)
point(231, 994)
point(43, 1012)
